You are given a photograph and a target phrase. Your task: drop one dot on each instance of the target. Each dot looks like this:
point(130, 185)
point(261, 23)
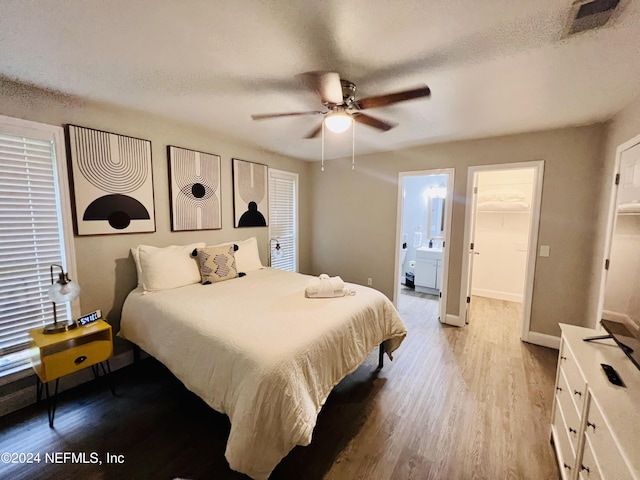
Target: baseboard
point(497, 294)
point(544, 340)
point(23, 397)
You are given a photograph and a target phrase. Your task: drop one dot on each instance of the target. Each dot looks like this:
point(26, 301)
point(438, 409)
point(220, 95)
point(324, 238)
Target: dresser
point(595, 425)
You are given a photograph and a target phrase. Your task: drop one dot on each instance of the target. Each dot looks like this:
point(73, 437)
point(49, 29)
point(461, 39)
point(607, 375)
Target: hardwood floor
point(470, 403)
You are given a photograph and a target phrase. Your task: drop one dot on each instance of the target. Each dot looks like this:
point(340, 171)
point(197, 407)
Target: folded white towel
point(325, 287)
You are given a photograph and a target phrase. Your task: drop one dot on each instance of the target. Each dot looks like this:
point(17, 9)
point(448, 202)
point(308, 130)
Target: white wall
point(501, 236)
point(362, 204)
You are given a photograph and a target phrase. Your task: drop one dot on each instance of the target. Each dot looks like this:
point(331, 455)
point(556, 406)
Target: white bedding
point(257, 350)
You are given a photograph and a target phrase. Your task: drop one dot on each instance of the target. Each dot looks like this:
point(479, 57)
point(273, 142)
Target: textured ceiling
point(494, 66)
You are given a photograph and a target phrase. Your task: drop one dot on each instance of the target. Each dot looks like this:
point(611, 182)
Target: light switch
point(544, 250)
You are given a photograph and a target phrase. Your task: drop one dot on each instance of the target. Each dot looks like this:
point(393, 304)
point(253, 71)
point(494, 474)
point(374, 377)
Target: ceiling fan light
point(338, 122)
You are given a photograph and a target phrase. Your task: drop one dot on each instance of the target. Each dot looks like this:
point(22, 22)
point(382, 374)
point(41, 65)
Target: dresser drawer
point(588, 467)
point(564, 450)
point(576, 382)
point(62, 363)
point(571, 415)
point(603, 447)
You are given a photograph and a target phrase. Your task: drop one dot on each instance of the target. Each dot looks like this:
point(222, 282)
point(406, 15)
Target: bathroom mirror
point(435, 218)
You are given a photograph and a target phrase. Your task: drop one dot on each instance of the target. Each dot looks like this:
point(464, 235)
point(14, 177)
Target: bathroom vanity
point(428, 270)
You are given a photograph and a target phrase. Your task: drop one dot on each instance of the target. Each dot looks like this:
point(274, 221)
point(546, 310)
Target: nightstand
point(59, 354)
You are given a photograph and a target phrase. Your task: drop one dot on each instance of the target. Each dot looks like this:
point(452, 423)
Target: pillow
point(136, 258)
point(168, 267)
point(247, 257)
point(217, 263)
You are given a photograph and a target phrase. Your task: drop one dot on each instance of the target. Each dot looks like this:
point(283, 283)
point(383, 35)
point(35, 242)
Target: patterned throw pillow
point(217, 264)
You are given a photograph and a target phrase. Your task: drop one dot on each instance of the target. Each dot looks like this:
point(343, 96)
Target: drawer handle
point(571, 430)
point(576, 392)
point(80, 359)
point(582, 467)
point(592, 425)
point(567, 466)
point(563, 358)
point(558, 389)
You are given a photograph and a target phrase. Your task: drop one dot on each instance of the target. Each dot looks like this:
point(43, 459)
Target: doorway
point(501, 231)
point(422, 238)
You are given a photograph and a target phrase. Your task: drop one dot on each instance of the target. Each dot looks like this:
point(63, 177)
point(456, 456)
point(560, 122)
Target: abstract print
point(195, 190)
point(113, 182)
point(250, 199)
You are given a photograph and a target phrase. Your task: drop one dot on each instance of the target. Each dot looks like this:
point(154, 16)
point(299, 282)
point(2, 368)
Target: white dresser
point(595, 425)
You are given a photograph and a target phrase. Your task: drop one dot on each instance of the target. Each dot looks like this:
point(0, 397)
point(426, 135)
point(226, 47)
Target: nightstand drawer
point(56, 355)
point(76, 358)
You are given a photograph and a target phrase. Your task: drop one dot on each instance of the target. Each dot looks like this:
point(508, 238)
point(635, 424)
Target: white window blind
point(283, 218)
point(32, 238)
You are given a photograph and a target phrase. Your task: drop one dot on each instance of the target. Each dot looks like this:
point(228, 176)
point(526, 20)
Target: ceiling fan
point(341, 106)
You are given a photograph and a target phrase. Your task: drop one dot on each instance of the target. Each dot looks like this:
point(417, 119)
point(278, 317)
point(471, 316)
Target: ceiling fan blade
point(372, 122)
point(315, 132)
point(263, 116)
point(383, 100)
point(325, 84)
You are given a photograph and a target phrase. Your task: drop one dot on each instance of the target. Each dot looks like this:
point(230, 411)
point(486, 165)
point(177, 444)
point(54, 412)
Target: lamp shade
point(338, 122)
point(64, 292)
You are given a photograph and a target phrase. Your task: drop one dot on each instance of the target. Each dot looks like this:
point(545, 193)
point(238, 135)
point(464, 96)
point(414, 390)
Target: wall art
point(250, 196)
point(112, 182)
point(194, 180)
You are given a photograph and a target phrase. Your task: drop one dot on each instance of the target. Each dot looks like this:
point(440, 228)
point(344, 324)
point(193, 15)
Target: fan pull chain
point(353, 145)
point(322, 169)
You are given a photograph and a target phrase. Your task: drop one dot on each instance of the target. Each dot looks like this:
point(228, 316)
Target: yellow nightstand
point(59, 354)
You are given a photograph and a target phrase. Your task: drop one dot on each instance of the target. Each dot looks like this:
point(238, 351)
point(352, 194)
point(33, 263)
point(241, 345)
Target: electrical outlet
point(369, 281)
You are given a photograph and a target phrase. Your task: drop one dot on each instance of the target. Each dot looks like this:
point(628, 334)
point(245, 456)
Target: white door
point(472, 251)
point(623, 240)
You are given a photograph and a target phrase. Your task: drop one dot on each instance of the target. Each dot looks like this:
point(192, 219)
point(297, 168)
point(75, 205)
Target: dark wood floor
point(471, 403)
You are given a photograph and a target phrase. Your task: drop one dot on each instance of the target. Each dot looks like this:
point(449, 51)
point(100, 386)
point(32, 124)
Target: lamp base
point(59, 327)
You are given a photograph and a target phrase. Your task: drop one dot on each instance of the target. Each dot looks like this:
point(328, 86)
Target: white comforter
point(257, 350)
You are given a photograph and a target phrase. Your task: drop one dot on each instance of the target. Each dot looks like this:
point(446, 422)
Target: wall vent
point(590, 14)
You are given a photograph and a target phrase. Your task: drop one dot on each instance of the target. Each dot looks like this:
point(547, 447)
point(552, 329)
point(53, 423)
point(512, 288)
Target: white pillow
point(136, 258)
point(168, 267)
point(247, 256)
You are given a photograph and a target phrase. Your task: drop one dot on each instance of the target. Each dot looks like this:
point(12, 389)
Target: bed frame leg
point(381, 357)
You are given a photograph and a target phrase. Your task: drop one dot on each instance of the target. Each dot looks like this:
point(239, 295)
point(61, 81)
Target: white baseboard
point(497, 294)
point(544, 340)
point(27, 396)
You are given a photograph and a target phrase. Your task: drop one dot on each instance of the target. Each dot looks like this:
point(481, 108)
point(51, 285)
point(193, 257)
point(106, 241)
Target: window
point(35, 232)
point(283, 219)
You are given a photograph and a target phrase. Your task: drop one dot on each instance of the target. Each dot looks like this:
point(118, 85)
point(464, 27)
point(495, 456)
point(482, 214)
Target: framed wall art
point(250, 196)
point(194, 181)
point(112, 182)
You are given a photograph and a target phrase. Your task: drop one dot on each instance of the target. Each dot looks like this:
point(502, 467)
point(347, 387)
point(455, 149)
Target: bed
point(255, 349)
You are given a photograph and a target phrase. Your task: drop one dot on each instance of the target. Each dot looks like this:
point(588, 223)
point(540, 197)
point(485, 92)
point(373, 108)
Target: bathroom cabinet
point(428, 270)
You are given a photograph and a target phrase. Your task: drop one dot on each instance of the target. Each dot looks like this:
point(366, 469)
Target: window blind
point(31, 239)
point(283, 199)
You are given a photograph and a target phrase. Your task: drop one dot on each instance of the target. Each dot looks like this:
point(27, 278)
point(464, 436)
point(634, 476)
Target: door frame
point(534, 226)
point(448, 208)
point(611, 225)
